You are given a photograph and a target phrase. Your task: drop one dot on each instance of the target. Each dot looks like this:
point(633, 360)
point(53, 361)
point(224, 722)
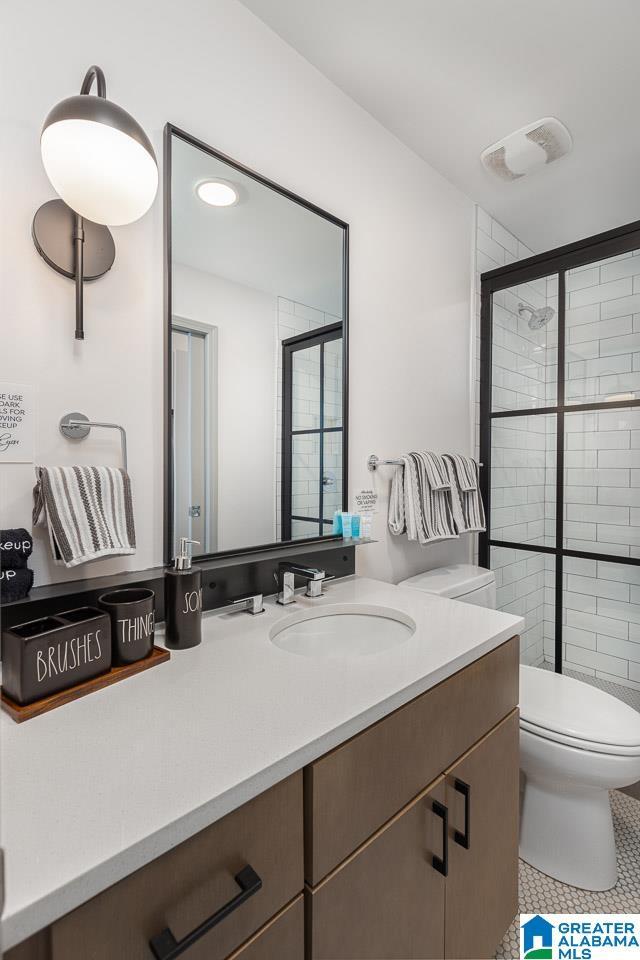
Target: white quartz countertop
point(96, 789)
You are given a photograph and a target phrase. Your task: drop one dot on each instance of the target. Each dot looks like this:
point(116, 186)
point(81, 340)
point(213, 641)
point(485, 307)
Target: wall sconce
point(101, 163)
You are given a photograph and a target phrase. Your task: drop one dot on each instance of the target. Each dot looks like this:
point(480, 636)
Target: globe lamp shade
point(99, 160)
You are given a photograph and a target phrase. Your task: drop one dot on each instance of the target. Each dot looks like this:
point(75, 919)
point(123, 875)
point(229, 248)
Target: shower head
point(537, 318)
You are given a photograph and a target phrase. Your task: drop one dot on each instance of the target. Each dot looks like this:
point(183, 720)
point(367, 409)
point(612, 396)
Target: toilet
point(576, 743)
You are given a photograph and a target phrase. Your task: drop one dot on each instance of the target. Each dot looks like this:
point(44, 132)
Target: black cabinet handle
point(164, 945)
point(441, 864)
point(464, 839)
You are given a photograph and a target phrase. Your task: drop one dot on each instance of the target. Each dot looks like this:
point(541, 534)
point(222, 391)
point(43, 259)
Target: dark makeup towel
point(15, 548)
point(15, 584)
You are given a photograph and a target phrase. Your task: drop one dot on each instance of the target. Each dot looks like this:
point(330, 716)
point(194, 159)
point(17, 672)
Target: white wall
point(246, 321)
point(213, 69)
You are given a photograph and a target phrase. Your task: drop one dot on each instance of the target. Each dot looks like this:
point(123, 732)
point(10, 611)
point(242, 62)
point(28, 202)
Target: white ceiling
point(450, 77)
point(265, 241)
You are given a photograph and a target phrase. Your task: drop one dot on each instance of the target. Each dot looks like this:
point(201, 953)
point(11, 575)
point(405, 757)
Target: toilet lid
point(576, 712)
point(453, 581)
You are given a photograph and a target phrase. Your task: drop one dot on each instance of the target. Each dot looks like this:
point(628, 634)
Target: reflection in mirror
point(258, 324)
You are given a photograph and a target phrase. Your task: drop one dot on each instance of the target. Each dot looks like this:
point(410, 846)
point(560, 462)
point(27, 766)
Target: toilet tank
point(458, 581)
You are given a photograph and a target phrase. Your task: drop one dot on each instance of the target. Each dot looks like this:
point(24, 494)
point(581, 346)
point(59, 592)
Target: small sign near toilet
point(366, 501)
point(17, 403)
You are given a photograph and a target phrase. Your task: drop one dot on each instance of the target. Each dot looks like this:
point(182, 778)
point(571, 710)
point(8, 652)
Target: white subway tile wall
point(523, 360)
point(602, 495)
point(602, 515)
point(494, 248)
point(522, 471)
point(603, 330)
point(601, 631)
point(523, 579)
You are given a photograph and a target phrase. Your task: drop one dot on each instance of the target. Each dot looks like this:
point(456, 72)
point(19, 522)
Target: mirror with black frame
point(256, 365)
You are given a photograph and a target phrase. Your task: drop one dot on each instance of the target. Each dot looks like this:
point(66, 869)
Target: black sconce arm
point(94, 73)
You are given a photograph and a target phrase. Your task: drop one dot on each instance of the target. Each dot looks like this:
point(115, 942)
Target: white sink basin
point(342, 630)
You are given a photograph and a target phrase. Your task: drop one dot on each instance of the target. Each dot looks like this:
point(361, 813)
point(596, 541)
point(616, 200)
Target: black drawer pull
point(164, 946)
point(464, 839)
point(441, 864)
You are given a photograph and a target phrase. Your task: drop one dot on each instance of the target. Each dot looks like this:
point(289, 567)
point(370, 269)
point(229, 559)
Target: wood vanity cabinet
point(379, 809)
point(416, 890)
point(190, 883)
point(482, 884)
point(281, 938)
point(403, 845)
point(352, 791)
point(387, 900)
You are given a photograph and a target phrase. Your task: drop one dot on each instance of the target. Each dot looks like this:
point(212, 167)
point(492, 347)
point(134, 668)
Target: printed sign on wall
point(366, 501)
point(17, 422)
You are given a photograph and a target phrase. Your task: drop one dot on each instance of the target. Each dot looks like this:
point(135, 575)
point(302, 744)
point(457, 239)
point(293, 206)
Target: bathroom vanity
point(316, 807)
point(336, 778)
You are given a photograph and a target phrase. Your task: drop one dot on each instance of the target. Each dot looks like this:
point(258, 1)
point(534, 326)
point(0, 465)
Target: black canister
point(183, 601)
point(44, 656)
point(132, 613)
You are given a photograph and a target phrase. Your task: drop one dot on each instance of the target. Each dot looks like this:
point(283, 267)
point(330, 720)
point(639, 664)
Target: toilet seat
point(614, 750)
point(574, 713)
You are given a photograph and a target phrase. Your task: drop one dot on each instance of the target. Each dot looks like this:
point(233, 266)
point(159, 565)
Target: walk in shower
point(560, 444)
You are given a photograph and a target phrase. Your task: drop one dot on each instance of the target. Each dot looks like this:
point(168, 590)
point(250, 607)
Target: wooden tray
point(25, 712)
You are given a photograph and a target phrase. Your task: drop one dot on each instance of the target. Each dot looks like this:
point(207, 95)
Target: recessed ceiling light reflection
point(217, 193)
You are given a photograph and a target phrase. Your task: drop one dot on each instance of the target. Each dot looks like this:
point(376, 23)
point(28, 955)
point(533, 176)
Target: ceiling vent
point(527, 149)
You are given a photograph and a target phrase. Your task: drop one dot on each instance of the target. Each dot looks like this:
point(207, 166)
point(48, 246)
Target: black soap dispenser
point(183, 600)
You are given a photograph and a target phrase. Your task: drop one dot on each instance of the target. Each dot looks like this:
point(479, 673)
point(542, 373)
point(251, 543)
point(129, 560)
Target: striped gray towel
point(463, 473)
point(421, 503)
point(88, 510)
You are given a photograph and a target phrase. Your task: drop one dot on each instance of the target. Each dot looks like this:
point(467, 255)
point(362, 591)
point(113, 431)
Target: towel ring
point(75, 426)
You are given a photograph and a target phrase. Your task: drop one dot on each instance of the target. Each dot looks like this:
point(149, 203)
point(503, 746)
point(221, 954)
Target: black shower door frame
point(552, 263)
point(304, 341)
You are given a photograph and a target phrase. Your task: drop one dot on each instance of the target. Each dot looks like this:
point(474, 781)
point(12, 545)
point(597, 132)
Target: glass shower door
point(312, 432)
point(522, 430)
point(560, 440)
